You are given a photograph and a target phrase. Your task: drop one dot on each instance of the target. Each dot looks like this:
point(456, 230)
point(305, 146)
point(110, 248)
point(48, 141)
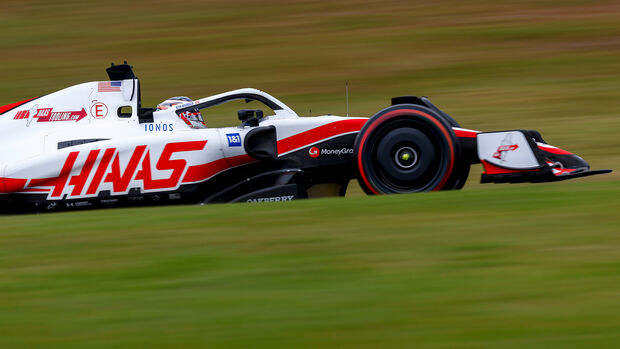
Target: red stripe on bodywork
point(554, 150)
point(203, 172)
point(12, 106)
point(11, 185)
point(57, 182)
point(239, 160)
point(490, 169)
point(464, 133)
point(319, 133)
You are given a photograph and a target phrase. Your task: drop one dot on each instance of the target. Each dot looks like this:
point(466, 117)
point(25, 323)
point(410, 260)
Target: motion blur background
point(500, 266)
point(546, 65)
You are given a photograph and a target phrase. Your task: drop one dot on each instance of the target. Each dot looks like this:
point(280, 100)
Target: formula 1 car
point(94, 145)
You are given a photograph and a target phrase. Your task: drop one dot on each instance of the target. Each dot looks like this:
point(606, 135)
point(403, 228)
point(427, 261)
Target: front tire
point(406, 149)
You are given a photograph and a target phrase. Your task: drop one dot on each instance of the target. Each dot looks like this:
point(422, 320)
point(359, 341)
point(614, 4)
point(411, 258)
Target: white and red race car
point(94, 145)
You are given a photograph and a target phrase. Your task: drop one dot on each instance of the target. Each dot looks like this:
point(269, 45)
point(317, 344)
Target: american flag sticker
point(110, 86)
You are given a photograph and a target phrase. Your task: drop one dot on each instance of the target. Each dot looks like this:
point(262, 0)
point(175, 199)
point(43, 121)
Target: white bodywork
point(154, 156)
point(507, 149)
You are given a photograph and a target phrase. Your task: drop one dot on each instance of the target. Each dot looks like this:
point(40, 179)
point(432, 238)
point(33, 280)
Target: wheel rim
point(407, 155)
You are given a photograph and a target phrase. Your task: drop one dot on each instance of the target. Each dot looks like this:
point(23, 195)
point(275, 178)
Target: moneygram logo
point(315, 152)
point(338, 152)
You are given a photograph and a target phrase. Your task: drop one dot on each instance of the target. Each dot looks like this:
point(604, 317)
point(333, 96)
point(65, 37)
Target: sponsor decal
point(508, 149)
point(22, 114)
point(159, 127)
point(185, 105)
point(337, 152)
point(49, 115)
point(109, 201)
point(109, 86)
point(273, 199)
point(315, 152)
point(505, 146)
point(102, 170)
point(234, 139)
point(99, 110)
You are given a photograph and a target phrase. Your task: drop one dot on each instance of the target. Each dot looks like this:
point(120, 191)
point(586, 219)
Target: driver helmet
point(192, 118)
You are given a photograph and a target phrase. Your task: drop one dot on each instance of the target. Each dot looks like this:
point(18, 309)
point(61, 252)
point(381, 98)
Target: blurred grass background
point(499, 266)
point(546, 65)
point(504, 267)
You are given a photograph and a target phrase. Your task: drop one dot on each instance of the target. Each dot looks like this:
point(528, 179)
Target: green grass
point(504, 267)
point(496, 266)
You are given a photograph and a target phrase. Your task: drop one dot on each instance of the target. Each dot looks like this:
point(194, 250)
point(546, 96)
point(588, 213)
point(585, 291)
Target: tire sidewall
point(442, 129)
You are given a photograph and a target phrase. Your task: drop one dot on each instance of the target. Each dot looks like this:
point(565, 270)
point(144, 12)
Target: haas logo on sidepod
point(103, 166)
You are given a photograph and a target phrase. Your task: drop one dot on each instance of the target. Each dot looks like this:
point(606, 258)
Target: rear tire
point(407, 149)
